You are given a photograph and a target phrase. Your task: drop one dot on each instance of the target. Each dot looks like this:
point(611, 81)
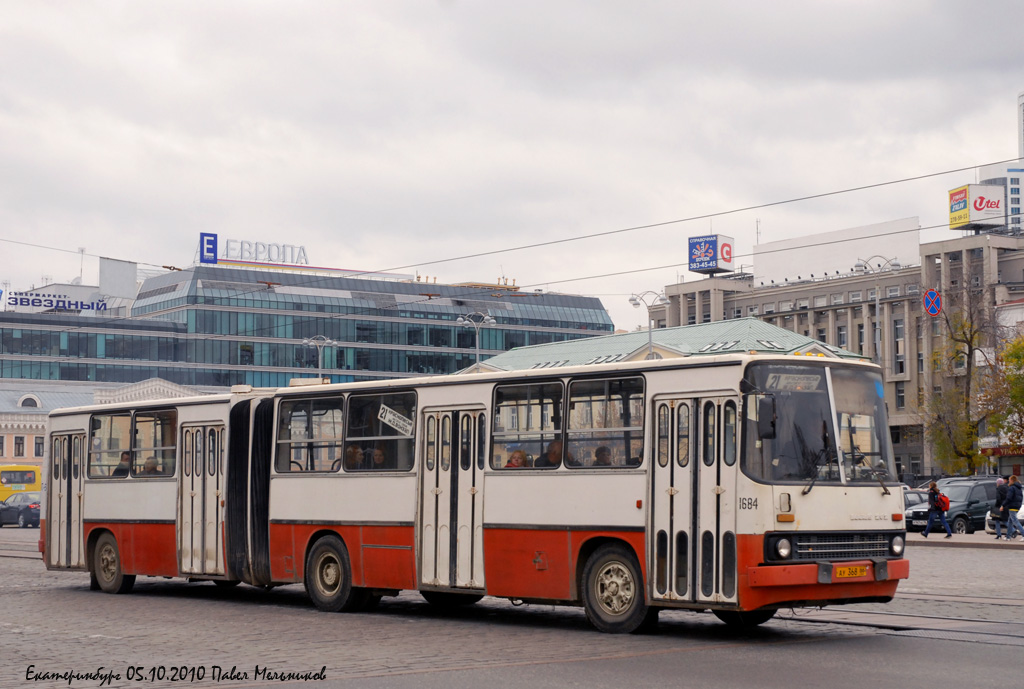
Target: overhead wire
point(314, 279)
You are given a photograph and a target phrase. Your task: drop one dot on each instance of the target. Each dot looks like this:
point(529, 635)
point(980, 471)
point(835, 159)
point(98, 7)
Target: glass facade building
point(215, 327)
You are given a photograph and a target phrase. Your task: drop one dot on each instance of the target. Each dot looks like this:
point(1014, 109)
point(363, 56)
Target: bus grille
point(850, 546)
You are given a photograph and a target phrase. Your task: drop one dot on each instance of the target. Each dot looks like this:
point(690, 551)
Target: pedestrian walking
point(1014, 499)
point(935, 513)
point(998, 511)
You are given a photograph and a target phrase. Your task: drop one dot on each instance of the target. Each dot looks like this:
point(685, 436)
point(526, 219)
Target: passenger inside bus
point(603, 456)
point(353, 458)
point(150, 468)
point(516, 460)
point(379, 462)
point(123, 466)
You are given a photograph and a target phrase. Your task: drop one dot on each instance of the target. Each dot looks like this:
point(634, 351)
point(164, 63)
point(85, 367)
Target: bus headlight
point(783, 548)
point(897, 545)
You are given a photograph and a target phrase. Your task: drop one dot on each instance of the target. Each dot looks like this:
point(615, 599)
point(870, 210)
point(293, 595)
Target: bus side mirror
point(766, 417)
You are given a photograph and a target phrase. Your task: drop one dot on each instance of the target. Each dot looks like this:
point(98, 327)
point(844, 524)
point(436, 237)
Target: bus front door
point(451, 537)
point(672, 501)
point(201, 514)
point(64, 502)
point(715, 430)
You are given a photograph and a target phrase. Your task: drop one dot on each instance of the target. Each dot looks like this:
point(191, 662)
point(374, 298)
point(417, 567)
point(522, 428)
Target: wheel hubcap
point(108, 563)
point(615, 588)
point(328, 575)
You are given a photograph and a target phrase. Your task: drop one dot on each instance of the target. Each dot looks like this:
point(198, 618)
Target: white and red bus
point(736, 483)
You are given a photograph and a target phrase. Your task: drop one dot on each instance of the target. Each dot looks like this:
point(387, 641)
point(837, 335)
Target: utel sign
point(241, 250)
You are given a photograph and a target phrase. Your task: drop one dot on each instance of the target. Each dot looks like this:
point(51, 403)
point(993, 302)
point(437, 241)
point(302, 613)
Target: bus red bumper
point(823, 582)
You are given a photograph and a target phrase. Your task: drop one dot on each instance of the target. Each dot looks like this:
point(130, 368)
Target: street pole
point(319, 341)
point(649, 299)
point(481, 319)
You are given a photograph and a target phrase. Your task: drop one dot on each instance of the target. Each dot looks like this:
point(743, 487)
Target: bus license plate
point(848, 572)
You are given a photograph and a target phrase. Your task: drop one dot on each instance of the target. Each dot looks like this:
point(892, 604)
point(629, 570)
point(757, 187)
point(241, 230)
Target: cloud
point(395, 134)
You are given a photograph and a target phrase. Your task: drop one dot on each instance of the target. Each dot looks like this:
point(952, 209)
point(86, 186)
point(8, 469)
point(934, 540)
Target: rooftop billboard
point(976, 204)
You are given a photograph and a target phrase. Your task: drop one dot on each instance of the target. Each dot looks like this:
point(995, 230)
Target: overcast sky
point(388, 134)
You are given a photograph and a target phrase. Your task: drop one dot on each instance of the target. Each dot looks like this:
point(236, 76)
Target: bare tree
point(954, 416)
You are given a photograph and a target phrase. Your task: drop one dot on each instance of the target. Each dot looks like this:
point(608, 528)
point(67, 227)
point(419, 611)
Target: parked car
point(914, 497)
point(970, 500)
point(21, 509)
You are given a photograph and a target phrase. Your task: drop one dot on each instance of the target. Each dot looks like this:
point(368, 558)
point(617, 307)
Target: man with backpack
point(1014, 499)
point(937, 506)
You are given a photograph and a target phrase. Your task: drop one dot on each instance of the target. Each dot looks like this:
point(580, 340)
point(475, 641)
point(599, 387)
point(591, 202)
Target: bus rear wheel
point(744, 619)
point(328, 578)
point(613, 594)
point(106, 563)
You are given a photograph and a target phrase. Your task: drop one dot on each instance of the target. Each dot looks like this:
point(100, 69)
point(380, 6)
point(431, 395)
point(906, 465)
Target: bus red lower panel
point(381, 556)
point(761, 585)
point(148, 548)
point(541, 563)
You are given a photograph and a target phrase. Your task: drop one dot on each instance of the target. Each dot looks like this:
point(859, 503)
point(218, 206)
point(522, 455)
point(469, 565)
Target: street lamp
point(319, 341)
point(656, 299)
point(477, 320)
point(886, 264)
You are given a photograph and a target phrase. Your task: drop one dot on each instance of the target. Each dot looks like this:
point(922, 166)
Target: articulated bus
point(739, 484)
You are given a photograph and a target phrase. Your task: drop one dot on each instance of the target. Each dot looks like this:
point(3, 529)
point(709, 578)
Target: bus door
point(715, 429)
point(201, 511)
point(64, 501)
point(451, 538)
point(672, 501)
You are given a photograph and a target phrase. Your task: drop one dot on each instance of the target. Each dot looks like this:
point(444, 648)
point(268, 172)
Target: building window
point(855, 296)
point(901, 397)
point(752, 310)
point(913, 289)
point(860, 338)
point(841, 336)
point(19, 446)
point(1, 446)
point(900, 359)
point(820, 301)
point(1015, 191)
point(38, 447)
point(893, 291)
point(872, 293)
point(786, 306)
point(920, 362)
point(935, 327)
point(769, 308)
point(821, 334)
point(837, 298)
point(894, 433)
point(802, 303)
point(738, 313)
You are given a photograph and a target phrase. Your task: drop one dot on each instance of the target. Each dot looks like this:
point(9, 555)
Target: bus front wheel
point(106, 562)
point(744, 619)
point(328, 578)
point(613, 594)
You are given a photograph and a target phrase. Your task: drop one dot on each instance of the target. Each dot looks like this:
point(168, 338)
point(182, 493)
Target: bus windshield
point(790, 428)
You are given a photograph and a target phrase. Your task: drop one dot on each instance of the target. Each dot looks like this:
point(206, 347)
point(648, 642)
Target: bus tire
point(740, 619)
point(613, 591)
point(446, 600)
point(328, 577)
point(106, 562)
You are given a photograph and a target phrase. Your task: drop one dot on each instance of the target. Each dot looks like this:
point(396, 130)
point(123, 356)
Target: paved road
point(941, 625)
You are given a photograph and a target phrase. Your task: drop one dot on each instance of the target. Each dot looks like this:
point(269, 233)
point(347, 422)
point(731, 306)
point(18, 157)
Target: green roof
point(705, 339)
